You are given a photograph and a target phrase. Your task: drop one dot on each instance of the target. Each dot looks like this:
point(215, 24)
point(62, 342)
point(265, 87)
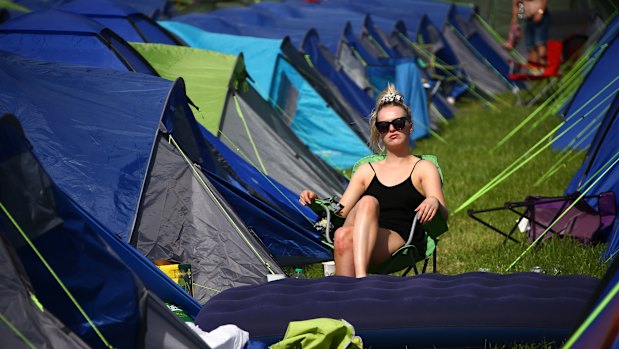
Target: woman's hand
point(307, 197)
point(427, 209)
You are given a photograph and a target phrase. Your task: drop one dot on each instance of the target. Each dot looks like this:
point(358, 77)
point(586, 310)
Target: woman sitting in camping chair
point(384, 197)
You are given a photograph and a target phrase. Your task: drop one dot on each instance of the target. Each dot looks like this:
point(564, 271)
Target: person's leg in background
point(529, 41)
point(541, 37)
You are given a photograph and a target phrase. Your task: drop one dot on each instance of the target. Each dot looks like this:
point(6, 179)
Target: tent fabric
point(184, 218)
point(96, 141)
point(151, 8)
point(262, 52)
point(40, 328)
point(265, 188)
point(602, 159)
point(324, 132)
point(295, 169)
point(124, 20)
point(325, 63)
point(66, 37)
point(206, 74)
point(587, 107)
point(486, 48)
point(290, 243)
point(477, 69)
point(70, 244)
point(38, 92)
point(402, 72)
point(598, 326)
point(314, 122)
point(466, 310)
point(254, 130)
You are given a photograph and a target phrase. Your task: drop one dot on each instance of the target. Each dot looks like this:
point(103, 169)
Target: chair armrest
point(437, 226)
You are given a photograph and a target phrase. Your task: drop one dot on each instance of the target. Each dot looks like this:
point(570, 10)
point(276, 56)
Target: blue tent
point(486, 48)
point(124, 20)
point(60, 36)
point(402, 72)
point(312, 119)
point(74, 272)
point(103, 147)
point(324, 61)
point(598, 327)
point(152, 8)
point(587, 107)
point(600, 170)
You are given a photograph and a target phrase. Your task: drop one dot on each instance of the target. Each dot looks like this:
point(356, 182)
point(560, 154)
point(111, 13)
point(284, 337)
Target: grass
point(468, 164)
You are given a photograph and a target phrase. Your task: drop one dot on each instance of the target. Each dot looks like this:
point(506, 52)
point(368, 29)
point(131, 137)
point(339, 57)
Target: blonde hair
point(388, 96)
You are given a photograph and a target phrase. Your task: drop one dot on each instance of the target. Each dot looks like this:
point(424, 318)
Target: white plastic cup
point(329, 268)
point(273, 277)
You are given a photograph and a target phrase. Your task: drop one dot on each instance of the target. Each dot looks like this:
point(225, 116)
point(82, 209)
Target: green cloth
point(207, 75)
point(319, 333)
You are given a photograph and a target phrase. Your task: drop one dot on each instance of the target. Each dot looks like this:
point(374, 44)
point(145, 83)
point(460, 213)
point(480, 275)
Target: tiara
point(392, 97)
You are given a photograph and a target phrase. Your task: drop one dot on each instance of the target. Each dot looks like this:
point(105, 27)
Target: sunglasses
point(398, 124)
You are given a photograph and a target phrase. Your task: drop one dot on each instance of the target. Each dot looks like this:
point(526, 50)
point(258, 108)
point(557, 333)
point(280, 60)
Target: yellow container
point(180, 273)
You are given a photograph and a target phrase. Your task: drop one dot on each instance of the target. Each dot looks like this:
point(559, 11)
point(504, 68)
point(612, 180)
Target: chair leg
point(425, 266)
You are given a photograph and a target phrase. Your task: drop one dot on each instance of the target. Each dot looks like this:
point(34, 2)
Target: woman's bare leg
point(387, 242)
point(365, 231)
point(384, 243)
point(343, 251)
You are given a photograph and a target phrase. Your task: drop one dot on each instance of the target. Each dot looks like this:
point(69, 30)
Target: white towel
point(223, 337)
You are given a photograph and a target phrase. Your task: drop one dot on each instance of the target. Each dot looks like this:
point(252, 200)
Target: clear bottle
point(298, 273)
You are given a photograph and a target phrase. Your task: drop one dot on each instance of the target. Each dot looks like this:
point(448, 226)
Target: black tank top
point(397, 206)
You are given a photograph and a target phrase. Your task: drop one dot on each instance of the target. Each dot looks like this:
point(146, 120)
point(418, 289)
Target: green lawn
point(468, 164)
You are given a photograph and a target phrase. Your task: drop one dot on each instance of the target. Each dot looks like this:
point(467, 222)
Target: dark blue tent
point(60, 36)
point(269, 209)
point(74, 272)
point(324, 61)
point(151, 8)
point(586, 108)
point(124, 20)
point(600, 170)
point(105, 148)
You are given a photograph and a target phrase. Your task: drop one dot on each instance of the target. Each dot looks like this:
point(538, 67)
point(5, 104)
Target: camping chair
point(534, 72)
point(537, 213)
point(407, 256)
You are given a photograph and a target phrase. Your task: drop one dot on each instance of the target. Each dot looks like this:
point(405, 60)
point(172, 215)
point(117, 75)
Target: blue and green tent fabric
point(93, 136)
point(314, 122)
point(598, 326)
point(75, 274)
point(585, 110)
point(60, 36)
point(124, 20)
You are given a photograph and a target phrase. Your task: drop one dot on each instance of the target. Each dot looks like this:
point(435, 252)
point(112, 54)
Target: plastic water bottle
point(298, 273)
